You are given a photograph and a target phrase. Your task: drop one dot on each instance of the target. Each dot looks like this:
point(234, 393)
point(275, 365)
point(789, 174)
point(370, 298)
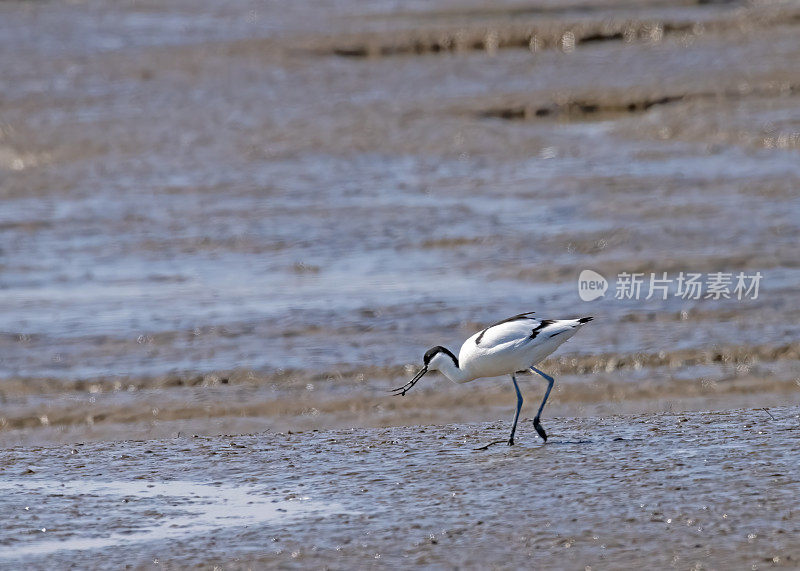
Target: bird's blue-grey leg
point(536, 424)
point(519, 407)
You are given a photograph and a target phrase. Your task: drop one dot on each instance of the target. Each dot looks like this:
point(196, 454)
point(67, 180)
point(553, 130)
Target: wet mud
point(680, 490)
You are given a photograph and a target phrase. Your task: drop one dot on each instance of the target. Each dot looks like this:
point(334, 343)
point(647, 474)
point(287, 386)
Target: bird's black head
point(432, 363)
point(433, 351)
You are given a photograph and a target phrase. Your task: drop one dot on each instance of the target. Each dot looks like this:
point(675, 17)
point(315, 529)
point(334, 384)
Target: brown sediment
point(491, 38)
point(574, 396)
point(455, 242)
point(284, 400)
point(535, 35)
point(625, 102)
point(571, 364)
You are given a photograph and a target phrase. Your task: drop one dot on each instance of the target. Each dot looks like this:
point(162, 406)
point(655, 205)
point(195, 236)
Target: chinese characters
point(687, 285)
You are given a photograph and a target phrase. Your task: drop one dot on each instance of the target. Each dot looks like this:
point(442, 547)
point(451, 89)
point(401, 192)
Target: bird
point(511, 346)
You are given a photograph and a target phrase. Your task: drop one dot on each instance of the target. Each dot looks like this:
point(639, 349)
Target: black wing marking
point(514, 318)
point(541, 326)
point(547, 322)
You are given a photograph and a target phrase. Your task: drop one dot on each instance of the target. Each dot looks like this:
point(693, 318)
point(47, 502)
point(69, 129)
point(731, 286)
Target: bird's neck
point(450, 370)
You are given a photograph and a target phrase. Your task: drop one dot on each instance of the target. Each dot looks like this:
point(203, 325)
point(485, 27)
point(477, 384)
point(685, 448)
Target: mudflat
point(251, 221)
point(688, 490)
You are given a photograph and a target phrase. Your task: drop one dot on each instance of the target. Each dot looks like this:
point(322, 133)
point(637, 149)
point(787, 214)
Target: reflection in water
point(153, 511)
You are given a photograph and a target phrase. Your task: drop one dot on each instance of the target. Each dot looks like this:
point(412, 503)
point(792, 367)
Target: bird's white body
point(507, 347)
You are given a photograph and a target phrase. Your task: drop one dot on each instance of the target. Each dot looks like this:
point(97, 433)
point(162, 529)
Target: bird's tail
point(583, 320)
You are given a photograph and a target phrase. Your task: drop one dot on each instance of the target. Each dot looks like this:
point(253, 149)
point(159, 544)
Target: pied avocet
point(507, 347)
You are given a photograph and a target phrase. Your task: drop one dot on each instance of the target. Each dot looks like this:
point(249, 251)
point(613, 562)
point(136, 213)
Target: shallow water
point(159, 511)
point(237, 198)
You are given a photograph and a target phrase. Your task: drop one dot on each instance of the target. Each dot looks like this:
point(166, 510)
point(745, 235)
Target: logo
point(591, 285)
